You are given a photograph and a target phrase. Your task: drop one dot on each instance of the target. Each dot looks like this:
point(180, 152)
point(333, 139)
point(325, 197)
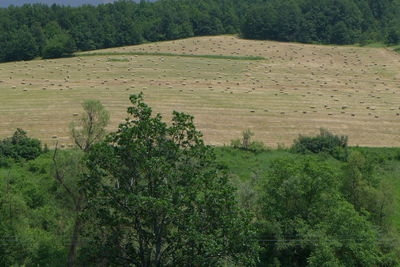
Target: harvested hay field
point(296, 90)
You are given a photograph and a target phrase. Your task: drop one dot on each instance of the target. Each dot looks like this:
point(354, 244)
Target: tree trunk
point(74, 241)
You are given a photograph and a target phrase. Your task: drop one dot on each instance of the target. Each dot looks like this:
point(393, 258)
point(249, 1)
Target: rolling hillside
point(295, 90)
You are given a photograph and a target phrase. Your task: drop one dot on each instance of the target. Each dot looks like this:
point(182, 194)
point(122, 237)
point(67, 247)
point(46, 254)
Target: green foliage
point(118, 60)
point(56, 30)
point(275, 20)
point(59, 45)
point(246, 144)
point(368, 193)
point(375, 183)
point(246, 172)
point(393, 36)
point(247, 134)
point(32, 220)
point(309, 223)
point(18, 45)
point(326, 21)
point(38, 30)
point(310, 210)
point(90, 128)
point(20, 146)
point(157, 198)
point(325, 142)
point(5, 162)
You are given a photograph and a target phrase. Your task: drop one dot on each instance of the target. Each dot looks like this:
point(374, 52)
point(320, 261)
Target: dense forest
point(153, 194)
point(7, 3)
point(53, 31)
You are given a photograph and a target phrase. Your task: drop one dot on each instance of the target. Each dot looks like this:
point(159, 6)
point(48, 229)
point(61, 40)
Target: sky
point(6, 3)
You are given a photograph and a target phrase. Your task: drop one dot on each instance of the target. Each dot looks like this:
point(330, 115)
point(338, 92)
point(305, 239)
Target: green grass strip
point(118, 60)
point(168, 55)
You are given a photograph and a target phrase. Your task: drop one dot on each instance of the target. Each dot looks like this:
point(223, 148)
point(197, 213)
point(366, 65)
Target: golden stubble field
point(298, 89)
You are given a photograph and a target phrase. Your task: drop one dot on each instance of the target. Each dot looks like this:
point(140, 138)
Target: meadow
point(278, 90)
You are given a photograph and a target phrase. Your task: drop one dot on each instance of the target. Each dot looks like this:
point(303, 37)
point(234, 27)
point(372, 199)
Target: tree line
point(324, 21)
point(53, 31)
point(152, 193)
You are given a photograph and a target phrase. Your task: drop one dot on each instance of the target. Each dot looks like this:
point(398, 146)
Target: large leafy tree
point(157, 198)
point(307, 222)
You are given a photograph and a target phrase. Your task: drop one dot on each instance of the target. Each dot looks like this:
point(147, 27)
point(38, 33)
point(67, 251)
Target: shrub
point(5, 162)
point(257, 147)
point(236, 143)
point(325, 142)
point(246, 144)
point(20, 146)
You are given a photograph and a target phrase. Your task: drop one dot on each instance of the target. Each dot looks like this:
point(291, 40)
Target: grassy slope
point(298, 89)
point(244, 164)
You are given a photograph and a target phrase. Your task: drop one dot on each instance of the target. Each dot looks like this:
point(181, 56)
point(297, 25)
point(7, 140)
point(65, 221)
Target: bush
point(236, 143)
point(325, 142)
point(246, 144)
point(5, 162)
point(20, 146)
point(257, 147)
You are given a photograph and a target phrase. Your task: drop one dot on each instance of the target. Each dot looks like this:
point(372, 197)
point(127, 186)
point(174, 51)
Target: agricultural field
point(295, 89)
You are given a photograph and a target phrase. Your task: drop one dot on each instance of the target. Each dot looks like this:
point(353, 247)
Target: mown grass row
point(169, 55)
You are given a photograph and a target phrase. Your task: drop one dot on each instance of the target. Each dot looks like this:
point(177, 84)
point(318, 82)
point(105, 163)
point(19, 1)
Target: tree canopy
point(36, 30)
point(20, 146)
point(157, 198)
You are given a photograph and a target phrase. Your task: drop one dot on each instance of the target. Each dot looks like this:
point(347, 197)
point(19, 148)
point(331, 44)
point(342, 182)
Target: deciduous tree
point(90, 128)
point(158, 198)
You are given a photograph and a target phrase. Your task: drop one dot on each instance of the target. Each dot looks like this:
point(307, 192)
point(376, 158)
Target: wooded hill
point(53, 31)
point(7, 3)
